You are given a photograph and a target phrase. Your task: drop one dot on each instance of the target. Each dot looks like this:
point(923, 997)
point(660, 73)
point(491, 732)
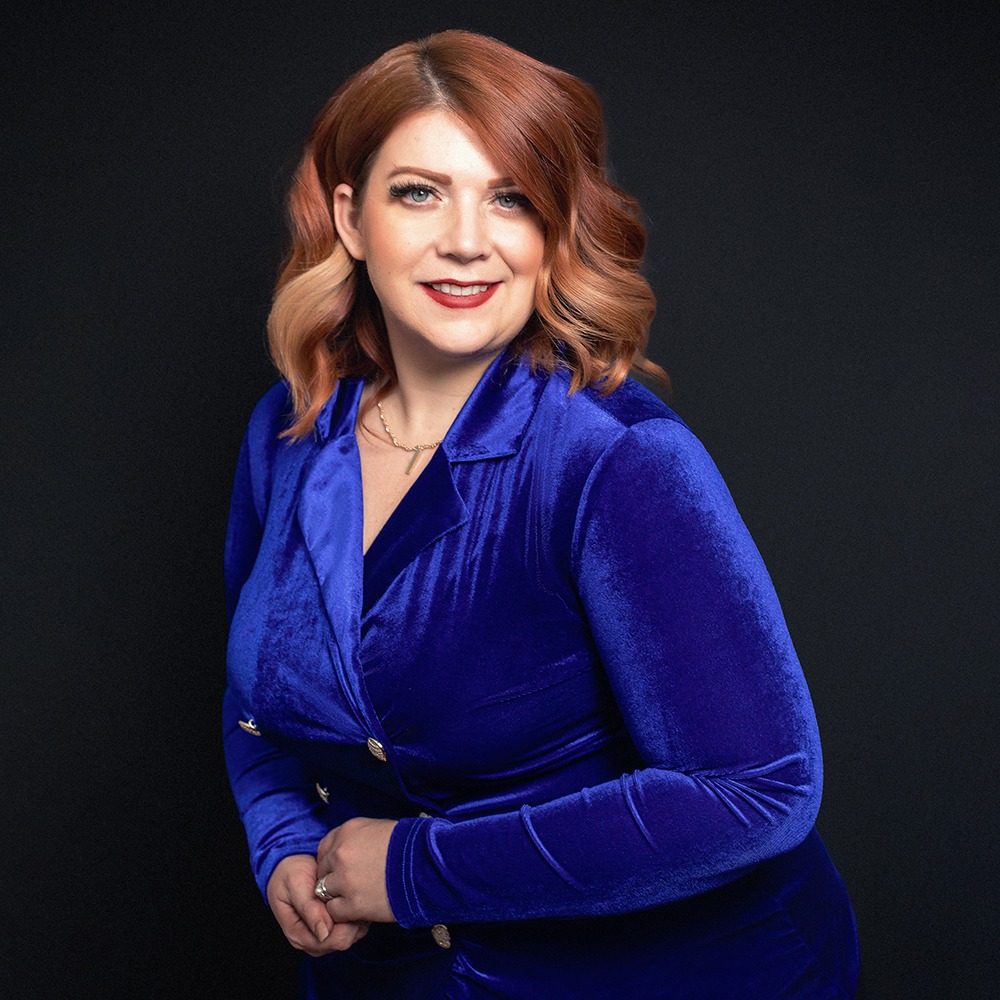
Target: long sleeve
point(274, 792)
point(695, 647)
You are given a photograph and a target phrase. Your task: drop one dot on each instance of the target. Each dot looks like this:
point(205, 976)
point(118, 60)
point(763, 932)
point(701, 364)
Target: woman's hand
point(352, 857)
point(302, 915)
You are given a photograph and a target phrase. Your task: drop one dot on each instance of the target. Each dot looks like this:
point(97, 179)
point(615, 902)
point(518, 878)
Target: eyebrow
point(445, 179)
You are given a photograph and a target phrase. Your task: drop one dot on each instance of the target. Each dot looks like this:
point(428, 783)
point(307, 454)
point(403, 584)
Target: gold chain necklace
point(415, 448)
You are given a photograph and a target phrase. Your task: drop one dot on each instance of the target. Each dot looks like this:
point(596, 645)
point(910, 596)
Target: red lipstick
point(444, 294)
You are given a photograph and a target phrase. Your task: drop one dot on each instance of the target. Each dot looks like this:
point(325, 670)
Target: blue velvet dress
point(562, 666)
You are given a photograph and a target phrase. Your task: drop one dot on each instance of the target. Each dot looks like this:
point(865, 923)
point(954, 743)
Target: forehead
point(439, 141)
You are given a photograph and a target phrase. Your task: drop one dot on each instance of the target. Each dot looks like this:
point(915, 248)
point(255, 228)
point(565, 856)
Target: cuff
point(399, 863)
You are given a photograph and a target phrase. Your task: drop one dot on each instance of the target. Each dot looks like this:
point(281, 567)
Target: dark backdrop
point(823, 249)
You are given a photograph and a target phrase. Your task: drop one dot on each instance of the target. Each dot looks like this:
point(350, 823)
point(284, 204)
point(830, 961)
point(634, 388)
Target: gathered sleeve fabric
point(693, 641)
point(274, 790)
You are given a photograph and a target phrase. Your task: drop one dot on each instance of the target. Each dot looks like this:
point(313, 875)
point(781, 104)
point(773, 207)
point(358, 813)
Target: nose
point(465, 234)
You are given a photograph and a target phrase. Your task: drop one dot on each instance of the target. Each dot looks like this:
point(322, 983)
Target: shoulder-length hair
point(543, 127)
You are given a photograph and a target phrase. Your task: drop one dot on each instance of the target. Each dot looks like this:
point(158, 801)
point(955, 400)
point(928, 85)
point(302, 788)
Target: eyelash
point(403, 190)
point(521, 201)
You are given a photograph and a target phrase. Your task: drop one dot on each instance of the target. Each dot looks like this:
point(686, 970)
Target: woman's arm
point(695, 646)
point(276, 796)
point(278, 803)
point(284, 817)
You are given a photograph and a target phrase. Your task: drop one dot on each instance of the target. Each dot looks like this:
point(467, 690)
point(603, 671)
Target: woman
point(512, 709)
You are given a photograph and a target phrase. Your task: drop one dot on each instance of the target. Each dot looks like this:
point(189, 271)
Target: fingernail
point(322, 931)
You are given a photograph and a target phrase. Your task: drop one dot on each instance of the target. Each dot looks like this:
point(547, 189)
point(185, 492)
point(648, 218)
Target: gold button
point(249, 726)
point(323, 793)
point(442, 938)
point(376, 749)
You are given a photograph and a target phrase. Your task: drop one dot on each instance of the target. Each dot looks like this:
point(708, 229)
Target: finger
point(298, 933)
point(344, 935)
point(308, 908)
point(343, 911)
point(328, 841)
point(313, 915)
point(340, 938)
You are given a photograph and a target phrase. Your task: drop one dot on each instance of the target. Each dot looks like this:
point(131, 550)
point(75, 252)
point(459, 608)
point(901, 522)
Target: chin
point(467, 348)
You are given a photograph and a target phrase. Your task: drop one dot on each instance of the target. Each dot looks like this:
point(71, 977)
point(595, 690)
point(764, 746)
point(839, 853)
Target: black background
point(823, 247)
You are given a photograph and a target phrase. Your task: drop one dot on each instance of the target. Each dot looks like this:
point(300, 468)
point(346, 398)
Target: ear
point(347, 219)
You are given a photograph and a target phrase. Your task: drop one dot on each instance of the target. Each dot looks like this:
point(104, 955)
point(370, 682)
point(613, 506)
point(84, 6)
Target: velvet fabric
point(599, 743)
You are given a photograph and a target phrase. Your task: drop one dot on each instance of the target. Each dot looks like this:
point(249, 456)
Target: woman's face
point(452, 248)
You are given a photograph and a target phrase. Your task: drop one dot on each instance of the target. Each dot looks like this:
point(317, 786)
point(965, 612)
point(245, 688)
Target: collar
point(340, 412)
point(491, 424)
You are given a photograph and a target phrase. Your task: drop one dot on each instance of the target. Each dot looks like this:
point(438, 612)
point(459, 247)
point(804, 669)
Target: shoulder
point(630, 404)
point(607, 415)
point(260, 447)
point(649, 483)
point(630, 423)
point(634, 454)
point(270, 416)
point(621, 458)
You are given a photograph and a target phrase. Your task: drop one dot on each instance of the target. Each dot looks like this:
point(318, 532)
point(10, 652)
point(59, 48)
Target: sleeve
point(693, 640)
point(274, 792)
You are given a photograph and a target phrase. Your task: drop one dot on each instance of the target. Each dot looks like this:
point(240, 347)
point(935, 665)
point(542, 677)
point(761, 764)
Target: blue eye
point(511, 200)
point(418, 194)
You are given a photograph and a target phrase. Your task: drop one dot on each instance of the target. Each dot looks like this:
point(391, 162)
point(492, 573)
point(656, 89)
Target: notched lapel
point(330, 510)
point(330, 515)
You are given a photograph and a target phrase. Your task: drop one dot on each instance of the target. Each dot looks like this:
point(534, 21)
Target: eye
point(511, 200)
point(416, 194)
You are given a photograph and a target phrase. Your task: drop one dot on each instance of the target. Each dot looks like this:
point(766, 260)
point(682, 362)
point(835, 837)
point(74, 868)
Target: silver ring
point(322, 891)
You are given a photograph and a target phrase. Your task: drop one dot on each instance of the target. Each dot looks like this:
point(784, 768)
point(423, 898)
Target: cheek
point(532, 252)
point(388, 244)
point(377, 249)
point(384, 269)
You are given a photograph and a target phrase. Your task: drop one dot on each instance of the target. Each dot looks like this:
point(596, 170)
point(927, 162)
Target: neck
point(425, 400)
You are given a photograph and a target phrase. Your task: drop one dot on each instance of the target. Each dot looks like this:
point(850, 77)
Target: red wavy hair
point(545, 129)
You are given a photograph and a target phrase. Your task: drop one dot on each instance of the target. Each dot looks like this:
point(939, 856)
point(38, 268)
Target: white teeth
point(462, 290)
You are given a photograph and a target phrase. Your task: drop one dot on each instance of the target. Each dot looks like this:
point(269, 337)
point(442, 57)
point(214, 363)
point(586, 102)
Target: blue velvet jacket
point(563, 667)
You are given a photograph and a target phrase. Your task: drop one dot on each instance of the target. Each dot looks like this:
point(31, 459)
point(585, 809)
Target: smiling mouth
point(460, 296)
point(447, 288)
